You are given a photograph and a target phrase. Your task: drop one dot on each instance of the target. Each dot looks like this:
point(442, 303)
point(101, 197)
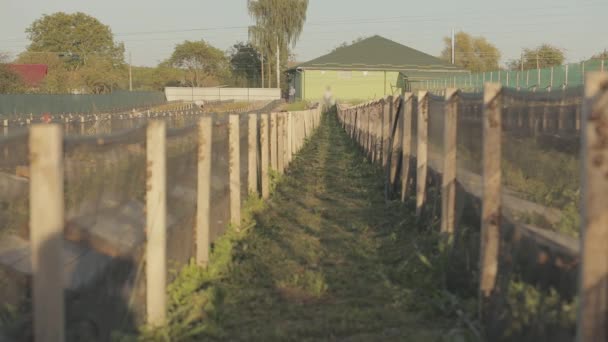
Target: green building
point(372, 68)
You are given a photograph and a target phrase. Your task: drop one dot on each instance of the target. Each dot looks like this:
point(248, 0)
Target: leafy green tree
point(10, 82)
point(601, 55)
point(156, 78)
point(278, 24)
point(77, 35)
point(544, 56)
point(246, 65)
point(472, 53)
point(204, 64)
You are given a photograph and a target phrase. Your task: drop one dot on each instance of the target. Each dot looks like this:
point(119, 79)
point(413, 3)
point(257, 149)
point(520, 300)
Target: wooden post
point(235, 169)
point(397, 138)
point(290, 152)
point(491, 189)
point(386, 126)
point(448, 179)
point(252, 174)
point(406, 148)
point(273, 142)
point(281, 143)
point(46, 234)
point(156, 226)
point(421, 157)
point(264, 143)
point(203, 211)
point(593, 312)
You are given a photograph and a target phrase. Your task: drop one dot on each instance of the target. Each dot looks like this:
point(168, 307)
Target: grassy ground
point(296, 106)
point(326, 259)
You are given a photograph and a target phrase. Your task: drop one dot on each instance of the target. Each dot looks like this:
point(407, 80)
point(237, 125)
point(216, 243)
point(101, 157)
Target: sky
point(151, 29)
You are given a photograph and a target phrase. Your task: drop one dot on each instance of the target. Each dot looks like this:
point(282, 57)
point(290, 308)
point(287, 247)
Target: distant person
point(292, 94)
point(328, 98)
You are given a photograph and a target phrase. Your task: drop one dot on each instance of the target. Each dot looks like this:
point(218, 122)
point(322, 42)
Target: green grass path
point(325, 261)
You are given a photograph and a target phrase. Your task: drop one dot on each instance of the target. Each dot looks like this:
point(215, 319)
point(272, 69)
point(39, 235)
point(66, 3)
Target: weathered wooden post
point(156, 226)
point(235, 169)
point(387, 104)
point(252, 143)
point(290, 152)
point(448, 179)
point(46, 234)
point(273, 142)
point(593, 312)
point(406, 148)
point(491, 190)
point(203, 205)
point(397, 138)
point(265, 149)
point(422, 153)
point(280, 143)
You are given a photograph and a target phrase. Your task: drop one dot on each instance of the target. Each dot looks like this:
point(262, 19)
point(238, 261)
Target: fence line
point(47, 211)
point(551, 78)
point(504, 115)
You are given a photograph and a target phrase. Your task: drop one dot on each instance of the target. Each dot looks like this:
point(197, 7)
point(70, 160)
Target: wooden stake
point(593, 312)
point(491, 189)
point(448, 188)
point(156, 224)
point(252, 174)
point(235, 170)
point(46, 235)
point(421, 157)
point(273, 142)
point(203, 211)
point(265, 150)
point(406, 148)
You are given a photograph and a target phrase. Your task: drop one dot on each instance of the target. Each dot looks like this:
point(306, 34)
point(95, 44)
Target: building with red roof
point(31, 74)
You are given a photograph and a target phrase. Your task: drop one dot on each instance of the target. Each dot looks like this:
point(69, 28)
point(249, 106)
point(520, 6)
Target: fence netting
point(220, 185)
point(15, 266)
point(540, 183)
point(436, 119)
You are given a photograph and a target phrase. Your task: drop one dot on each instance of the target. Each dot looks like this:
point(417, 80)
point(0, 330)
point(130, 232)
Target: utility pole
point(130, 73)
point(453, 46)
point(278, 64)
point(522, 63)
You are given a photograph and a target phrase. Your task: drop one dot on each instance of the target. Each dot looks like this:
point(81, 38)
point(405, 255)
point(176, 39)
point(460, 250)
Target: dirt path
point(324, 261)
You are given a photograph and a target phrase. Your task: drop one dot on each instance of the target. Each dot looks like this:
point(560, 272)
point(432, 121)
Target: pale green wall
point(347, 85)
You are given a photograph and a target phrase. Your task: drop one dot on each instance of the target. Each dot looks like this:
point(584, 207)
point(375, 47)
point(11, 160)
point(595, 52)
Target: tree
point(278, 24)
point(204, 63)
point(544, 56)
point(78, 35)
point(472, 53)
point(346, 44)
point(601, 55)
point(10, 82)
point(246, 65)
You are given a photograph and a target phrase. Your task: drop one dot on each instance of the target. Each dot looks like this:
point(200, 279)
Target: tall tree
point(543, 56)
point(472, 53)
point(278, 24)
point(203, 63)
point(246, 65)
point(77, 34)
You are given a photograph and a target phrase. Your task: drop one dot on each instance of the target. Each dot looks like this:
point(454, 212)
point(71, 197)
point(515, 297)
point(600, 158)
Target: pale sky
point(151, 29)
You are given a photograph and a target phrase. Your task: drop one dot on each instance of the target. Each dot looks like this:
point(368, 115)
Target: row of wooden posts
point(281, 136)
point(374, 126)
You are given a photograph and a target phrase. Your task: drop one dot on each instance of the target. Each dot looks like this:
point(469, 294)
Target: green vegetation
point(472, 53)
point(544, 56)
point(296, 106)
point(326, 258)
point(203, 63)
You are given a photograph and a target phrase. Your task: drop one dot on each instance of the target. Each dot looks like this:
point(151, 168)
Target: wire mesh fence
point(504, 181)
point(91, 224)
